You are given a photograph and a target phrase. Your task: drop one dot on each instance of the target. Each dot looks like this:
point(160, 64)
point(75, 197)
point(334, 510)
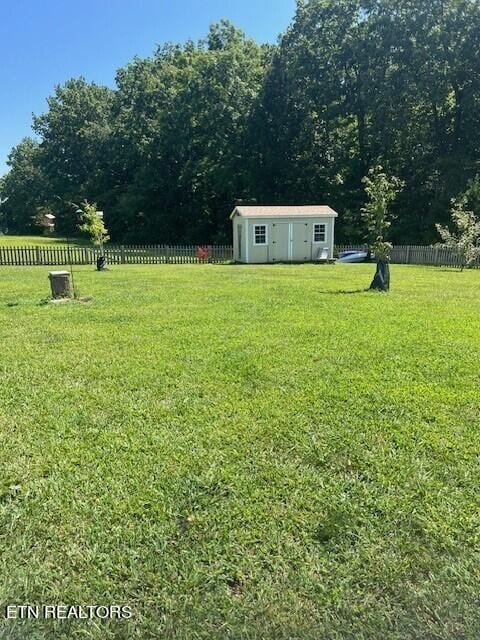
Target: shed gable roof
point(274, 211)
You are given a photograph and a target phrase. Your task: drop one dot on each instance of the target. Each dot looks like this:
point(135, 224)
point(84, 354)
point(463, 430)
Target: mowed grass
point(39, 241)
point(259, 452)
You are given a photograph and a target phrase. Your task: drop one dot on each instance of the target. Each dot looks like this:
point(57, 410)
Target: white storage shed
point(299, 233)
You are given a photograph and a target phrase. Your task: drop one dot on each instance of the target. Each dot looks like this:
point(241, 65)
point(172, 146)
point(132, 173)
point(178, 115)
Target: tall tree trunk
point(457, 124)
point(361, 137)
point(381, 279)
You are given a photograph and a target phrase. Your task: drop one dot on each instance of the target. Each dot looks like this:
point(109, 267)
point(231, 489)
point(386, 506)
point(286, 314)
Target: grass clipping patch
point(79, 300)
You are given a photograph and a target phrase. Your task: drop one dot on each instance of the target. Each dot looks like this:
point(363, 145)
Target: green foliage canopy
point(186, 132)
point(465, 239)
point(92, 224)
point(381, 191)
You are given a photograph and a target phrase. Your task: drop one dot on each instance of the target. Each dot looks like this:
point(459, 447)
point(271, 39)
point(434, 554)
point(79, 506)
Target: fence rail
point(189, 254)
point(115, 254)
point(418, 254)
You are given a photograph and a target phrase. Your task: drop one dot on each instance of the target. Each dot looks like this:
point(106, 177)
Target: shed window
point(260, 234)
point(319, 232)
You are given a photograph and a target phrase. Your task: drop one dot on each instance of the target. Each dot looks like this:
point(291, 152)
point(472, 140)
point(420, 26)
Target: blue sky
point(45, 42)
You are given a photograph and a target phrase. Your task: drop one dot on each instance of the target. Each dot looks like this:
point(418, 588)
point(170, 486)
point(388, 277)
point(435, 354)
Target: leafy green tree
point(180, 136)
point(194, 127)
point(424, 112)
point(354, 81)
point(92, 224)
point(465, 239)
point(304, 138)
point(23, 188)
point(381, 190)
point(74, 148)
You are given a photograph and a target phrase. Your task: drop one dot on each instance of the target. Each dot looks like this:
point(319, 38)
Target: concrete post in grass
point(61, 284)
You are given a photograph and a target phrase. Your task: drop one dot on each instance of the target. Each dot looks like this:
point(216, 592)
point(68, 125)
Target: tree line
point(194, 128)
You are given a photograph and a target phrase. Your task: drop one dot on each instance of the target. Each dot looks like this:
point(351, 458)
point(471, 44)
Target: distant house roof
point(275, 211)
point(49, 216)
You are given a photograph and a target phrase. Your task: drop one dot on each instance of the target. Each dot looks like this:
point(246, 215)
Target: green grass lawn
point(38, 241)
point(248, 452)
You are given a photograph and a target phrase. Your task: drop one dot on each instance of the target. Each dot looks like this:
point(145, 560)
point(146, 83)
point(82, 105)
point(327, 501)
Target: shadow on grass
point(337, 292)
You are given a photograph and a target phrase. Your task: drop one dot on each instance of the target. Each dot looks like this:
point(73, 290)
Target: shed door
point(300, 245)
point(280, 242)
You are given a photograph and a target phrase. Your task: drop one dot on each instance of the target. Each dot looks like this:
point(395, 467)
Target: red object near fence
point(203, 254)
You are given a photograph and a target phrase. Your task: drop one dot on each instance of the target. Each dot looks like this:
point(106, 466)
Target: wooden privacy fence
point(417, 254)
point(115, 254)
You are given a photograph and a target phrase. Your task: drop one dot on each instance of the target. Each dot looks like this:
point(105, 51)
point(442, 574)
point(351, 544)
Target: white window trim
point(316, 224)
point(260, 244)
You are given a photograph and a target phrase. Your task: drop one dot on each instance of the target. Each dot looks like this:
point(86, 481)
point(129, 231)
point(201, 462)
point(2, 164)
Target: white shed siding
point(289, 238)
